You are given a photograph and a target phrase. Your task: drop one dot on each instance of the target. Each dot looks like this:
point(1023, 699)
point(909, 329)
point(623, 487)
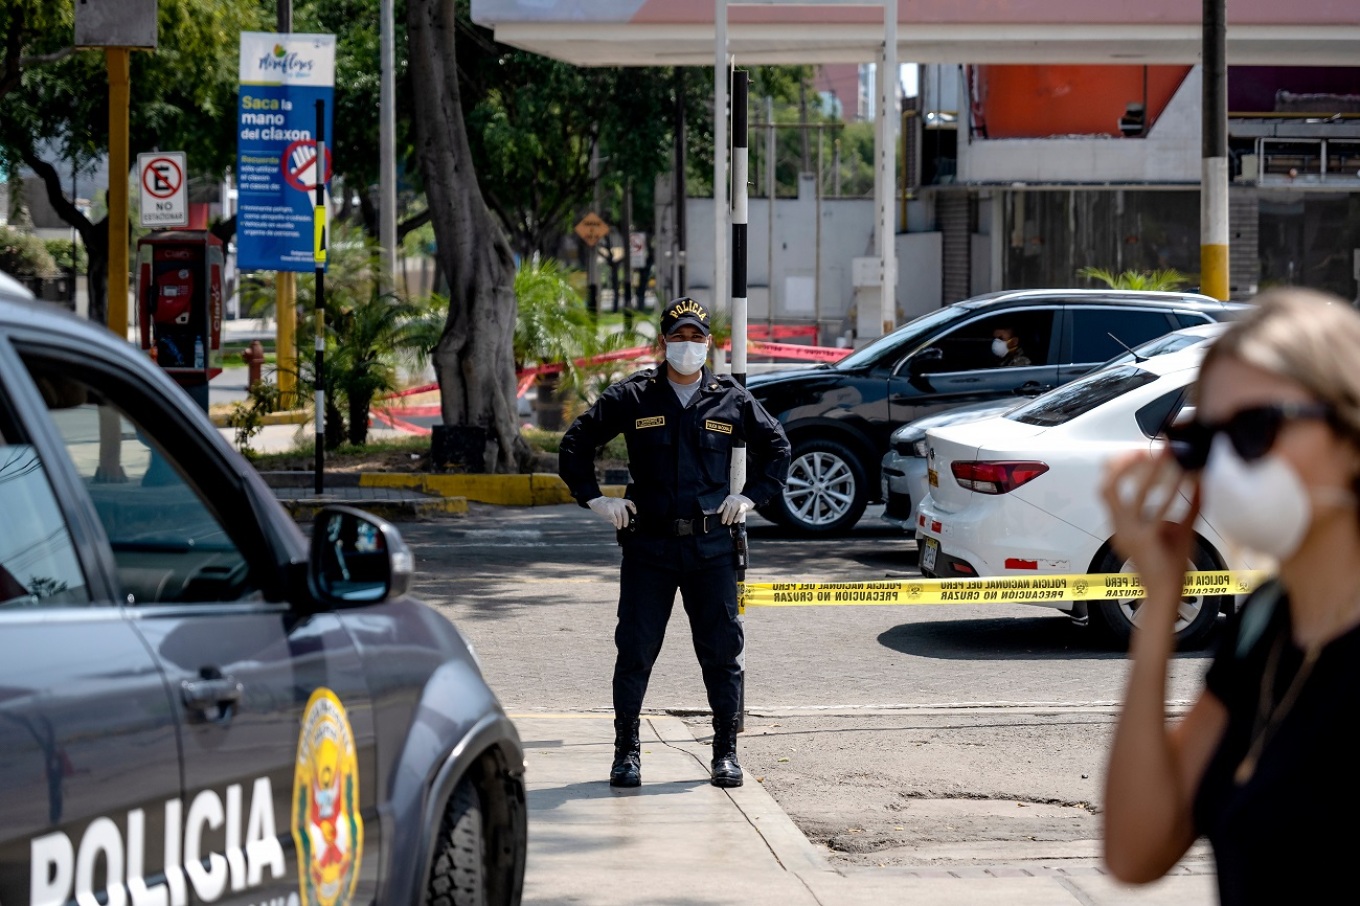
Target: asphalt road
point(937, 735)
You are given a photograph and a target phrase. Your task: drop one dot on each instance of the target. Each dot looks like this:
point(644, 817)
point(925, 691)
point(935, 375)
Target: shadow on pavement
point(547, 798)
point(1039, 638)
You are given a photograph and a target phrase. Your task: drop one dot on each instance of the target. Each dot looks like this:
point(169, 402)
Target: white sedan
point(1018, 494)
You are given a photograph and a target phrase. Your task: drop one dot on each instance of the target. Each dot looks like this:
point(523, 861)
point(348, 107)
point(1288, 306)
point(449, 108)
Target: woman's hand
point(1139, 491)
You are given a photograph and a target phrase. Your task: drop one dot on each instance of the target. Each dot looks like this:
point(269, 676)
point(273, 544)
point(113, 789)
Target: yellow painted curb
point(289, 417)
point(306, 510)
point(538, 489)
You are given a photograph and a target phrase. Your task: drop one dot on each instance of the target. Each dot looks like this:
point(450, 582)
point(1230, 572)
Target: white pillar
point(720, 201)
point(889, 114)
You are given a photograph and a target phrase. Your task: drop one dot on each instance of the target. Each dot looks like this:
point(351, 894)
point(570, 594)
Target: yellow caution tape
point(995, 590)
point(319, 234)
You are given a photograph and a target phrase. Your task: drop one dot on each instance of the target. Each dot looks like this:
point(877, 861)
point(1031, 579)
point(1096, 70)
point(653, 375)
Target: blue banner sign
point(282, 78)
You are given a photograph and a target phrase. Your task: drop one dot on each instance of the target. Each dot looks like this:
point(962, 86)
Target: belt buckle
point(684, 527)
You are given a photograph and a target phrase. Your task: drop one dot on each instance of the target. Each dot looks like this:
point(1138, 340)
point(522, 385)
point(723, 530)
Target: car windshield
point(899, 338)
point(1172, 342)
point(1057, 407)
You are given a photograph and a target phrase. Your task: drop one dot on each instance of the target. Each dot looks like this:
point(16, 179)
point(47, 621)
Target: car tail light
point(995, 477)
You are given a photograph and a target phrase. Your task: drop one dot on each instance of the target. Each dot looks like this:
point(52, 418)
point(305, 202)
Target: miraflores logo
point(285, 63)
point(327, 827)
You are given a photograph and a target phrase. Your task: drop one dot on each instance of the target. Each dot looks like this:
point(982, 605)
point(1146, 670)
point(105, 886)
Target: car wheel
point(1195, 621)
point(458, 877)
point(826, 491)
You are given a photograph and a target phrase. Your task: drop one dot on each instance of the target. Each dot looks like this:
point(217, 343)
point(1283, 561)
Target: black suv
point(198, 705)
point(839, 417)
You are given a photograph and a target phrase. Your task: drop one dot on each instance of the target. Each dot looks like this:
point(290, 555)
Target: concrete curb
point(790, 847)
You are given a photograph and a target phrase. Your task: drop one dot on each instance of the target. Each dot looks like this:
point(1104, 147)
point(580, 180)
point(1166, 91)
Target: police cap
point(683, 311)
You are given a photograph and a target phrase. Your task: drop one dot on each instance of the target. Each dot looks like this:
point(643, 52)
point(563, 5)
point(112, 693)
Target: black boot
point(726, 770)
point(627, 769)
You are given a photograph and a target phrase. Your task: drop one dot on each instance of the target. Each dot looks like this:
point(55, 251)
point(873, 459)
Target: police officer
point(678, 523)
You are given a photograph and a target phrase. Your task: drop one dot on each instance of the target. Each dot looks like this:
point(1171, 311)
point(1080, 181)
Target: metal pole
point(117, 60)
point(770, 191)
point(817, 252)
point(888, 115)
point(626, 228)
point(1213, 218)
point(740, 88)
point(720, 77)
point(319, 253)
point(387, 150)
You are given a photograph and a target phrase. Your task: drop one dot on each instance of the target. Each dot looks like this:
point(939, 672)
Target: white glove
point(735, 508)
point(613, 509)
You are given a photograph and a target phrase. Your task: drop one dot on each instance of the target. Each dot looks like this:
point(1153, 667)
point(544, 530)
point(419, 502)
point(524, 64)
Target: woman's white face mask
point(685, 357)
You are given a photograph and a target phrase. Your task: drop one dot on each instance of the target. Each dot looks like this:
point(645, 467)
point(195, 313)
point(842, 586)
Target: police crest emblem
point(328, 829)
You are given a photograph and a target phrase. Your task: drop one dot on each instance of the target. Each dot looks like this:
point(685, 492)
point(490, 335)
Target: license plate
point(929, 553)
point(933, 477)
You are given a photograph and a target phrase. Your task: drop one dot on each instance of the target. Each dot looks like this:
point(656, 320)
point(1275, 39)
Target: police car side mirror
point(357, 558)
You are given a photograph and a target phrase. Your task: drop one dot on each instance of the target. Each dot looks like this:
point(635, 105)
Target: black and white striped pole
point(319, 256)
point(740, 97)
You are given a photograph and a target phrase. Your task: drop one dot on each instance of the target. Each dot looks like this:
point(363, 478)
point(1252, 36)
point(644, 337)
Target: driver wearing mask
point(1006, 347)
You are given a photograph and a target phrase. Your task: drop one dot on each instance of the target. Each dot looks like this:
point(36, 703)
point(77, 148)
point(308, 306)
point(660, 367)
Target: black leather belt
point(679, 528)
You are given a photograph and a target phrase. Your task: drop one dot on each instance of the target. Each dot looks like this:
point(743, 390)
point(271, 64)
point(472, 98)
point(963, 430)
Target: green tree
point(183, 96)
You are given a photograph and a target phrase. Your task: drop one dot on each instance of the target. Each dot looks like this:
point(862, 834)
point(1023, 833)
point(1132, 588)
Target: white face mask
point(1000, 347)
point(686, 358)
point(1262, 505)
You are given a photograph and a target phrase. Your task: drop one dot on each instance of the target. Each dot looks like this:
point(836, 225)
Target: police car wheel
point(458, 876)
point(1198, 614)
point(827, 490)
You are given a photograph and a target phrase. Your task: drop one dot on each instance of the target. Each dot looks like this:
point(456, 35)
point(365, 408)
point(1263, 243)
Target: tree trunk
point(474, 361)
point(94, 235)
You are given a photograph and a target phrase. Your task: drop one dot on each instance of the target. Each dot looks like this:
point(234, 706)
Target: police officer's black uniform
point(679, 460)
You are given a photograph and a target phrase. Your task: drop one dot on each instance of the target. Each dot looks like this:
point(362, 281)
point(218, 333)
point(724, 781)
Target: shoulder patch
point(720, 427)
point(656, 421)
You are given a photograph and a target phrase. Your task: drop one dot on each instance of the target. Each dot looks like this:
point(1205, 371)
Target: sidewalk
point(678, 840)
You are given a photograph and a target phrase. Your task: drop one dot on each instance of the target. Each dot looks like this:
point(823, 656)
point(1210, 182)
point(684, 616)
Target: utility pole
point(679, 201)
point(285, 290)
point(387, 150)
point(1213, 216)
point(592, 256)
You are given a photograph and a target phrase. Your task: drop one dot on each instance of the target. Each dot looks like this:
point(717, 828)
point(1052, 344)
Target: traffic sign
point(592, 229)
point(164, 189)
point(637, 249)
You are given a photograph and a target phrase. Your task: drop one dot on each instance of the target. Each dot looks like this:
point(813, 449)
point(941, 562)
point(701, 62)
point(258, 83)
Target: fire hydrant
point(254, 359)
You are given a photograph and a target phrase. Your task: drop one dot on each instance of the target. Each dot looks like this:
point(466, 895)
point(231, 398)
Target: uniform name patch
point(720, 427)
point(656, 421)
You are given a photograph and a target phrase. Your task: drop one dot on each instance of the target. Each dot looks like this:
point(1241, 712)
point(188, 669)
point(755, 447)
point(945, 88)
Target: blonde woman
point(1263, 763)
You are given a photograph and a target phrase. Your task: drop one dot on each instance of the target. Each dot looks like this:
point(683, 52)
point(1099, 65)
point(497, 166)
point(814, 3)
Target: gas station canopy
point(681, 32)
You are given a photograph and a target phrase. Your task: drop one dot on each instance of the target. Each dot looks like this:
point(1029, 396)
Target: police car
point(197, 705)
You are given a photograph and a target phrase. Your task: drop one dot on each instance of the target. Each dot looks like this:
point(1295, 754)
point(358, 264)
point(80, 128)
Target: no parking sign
point(282, 78)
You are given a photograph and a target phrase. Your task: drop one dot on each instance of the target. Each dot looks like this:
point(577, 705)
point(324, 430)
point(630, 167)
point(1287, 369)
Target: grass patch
point(551, 442)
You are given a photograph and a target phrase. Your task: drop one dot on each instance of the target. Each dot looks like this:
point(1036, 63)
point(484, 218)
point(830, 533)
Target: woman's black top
point(1289, 832)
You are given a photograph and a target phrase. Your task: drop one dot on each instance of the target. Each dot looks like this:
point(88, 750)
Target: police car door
point(277, 796)
point(83, 709)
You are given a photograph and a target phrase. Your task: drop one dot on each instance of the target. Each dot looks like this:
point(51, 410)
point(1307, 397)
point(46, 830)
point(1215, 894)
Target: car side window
point(168, 544)
point(38, 564)
point(1027, 334)
point(1099, 334)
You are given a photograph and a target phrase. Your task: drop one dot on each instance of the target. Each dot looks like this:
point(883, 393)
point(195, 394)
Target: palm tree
point(1164, 280)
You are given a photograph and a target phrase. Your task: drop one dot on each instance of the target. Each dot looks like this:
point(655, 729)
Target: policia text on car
point(678, 522)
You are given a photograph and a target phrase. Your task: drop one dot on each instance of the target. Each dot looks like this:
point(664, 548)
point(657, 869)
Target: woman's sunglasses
point(1252, 432)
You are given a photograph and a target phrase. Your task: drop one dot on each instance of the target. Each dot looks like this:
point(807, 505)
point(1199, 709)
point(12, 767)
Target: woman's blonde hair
point(1309, 337)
